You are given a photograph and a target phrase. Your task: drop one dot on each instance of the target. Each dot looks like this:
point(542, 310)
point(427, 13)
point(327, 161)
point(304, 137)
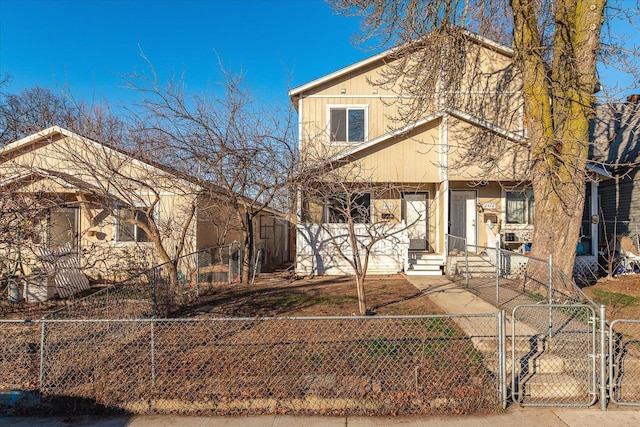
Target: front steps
point(471, 264)
point(545, 372)
point(424, 264)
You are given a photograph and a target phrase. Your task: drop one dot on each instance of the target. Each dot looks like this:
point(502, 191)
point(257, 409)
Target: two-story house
point(455, 175)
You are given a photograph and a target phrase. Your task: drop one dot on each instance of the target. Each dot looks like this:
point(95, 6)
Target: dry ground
point(278, 294)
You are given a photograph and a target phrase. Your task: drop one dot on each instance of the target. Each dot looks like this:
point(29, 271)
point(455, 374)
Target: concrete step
point(553, 386)
point(474, 265)
point(425, 264)
point(425, 261)
point(425, 272)
point(548, 364)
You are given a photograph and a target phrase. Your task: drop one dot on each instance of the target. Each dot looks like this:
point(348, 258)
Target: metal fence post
point(498, 263)
point(153, 353)
point(42, 344)
point(154, 298)
point(603, 358)
point(502, 358)
point(466, 263)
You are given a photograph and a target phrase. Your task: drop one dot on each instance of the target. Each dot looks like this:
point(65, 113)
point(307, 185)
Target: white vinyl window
point(127, 231)
point(347, 124)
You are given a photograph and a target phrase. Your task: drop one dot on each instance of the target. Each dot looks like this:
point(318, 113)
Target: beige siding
point(483, 156)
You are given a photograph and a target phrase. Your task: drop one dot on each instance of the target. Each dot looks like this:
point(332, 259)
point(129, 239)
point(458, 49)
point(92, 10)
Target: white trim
point(485, 124)
point(359, 96)
point(443, 229)
point(357, 148)
point(297, 91)
point(404, 96)
point(347, 107)
point(599, 169)
point(53, 130)
point(448, 110)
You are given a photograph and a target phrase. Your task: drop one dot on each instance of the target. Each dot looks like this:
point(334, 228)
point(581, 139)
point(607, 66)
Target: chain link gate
point(624, 362)
point(553, 355)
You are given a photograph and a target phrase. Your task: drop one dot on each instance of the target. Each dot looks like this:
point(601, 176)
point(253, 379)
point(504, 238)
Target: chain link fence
point(553, 352)
point(624, 362)
point(509, 278)
point(338, 365)
point(159, 291)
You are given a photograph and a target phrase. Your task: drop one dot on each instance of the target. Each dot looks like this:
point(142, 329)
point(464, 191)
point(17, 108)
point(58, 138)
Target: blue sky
point(88, 45)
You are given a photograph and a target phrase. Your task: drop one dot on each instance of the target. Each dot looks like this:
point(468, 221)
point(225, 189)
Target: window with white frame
point(520, 207)
point(359, 209)
point(347, 124)
point(128, 225)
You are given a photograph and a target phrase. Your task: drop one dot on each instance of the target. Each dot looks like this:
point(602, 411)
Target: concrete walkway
point(454, 299)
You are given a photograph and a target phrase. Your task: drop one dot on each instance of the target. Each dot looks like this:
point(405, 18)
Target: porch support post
point(594, 211)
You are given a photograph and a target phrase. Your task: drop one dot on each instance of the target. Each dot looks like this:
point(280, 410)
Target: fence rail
point(338, 365)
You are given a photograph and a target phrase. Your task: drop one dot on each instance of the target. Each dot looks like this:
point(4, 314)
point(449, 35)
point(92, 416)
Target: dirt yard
point(278, 294)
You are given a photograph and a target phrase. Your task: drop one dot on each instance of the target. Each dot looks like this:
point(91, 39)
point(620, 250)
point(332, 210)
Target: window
point(347, 124)
point(63, 227)
point(520, 207)
point(128, 231)
point(359, 209)
point(266, 226)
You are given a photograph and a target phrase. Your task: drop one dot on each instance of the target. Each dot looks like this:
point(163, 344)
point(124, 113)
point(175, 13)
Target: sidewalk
point(551, 417)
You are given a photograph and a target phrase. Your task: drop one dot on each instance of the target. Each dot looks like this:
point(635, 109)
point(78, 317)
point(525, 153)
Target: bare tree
point(31, 110)
point(340, 225)
point(556, 45)
point(240, 146)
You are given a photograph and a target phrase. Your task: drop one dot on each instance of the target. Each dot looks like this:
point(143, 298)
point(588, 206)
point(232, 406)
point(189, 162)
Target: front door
point(463, 216)
point(415, 213)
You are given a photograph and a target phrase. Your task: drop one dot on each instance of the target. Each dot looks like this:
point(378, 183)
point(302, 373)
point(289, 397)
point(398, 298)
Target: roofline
point(512, 136)
point(53, 130)
point(499, 47)
point(375, 141)
point(43, 173)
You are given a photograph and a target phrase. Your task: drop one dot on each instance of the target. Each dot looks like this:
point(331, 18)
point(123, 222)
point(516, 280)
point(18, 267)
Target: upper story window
point(347, 124)
point(520, 207)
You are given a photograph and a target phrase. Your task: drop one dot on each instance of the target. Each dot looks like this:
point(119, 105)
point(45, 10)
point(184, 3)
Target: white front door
point(463, 216)
point(415, 215)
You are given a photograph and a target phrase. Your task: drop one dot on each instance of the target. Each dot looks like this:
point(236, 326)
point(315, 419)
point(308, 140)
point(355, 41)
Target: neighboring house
point(108, 207)
point(616, 146)
point(440, 189)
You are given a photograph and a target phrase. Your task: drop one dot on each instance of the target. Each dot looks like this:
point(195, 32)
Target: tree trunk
point(247, 249)
point(559, 103)
point(362, 304)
